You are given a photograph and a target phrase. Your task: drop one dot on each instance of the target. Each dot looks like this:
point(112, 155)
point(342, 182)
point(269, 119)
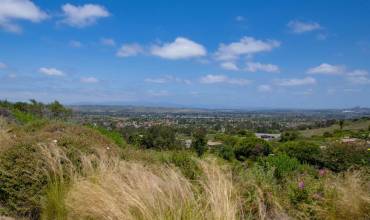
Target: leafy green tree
point(57, 110)
point(200, 141)
point(341, 124)
point(160, 137)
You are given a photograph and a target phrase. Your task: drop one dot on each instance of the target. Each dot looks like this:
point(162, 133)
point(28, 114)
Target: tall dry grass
point(105, 187)
point(108, 188)
point(348, 196)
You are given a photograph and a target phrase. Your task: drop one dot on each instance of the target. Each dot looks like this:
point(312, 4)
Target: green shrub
point(282, 164)
point(341, 156)
point(305, 152)
point(22, 180)
point(159, 137)
point(24, 117)
point(251, 148)
point(226, 152)
point(199, 141)
point(289, 136)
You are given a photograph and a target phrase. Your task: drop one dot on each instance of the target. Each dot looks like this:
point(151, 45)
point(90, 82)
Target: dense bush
point(251, 148)
point(160, 137)
point(282, 164)
point(200, 141)
point(289, 136)
point(341, 156)
point(226, 152)
point(22, 180)
point(305, 152)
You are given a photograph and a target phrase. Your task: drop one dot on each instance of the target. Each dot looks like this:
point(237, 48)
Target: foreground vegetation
point(52, 168)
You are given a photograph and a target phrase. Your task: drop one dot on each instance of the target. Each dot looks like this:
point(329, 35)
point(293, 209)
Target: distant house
point(268, 137)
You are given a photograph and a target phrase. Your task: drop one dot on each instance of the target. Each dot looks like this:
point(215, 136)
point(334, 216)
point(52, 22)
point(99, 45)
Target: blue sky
point(216, 54)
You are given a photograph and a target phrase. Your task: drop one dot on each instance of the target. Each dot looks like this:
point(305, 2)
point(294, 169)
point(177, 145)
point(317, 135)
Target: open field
point(362, 124)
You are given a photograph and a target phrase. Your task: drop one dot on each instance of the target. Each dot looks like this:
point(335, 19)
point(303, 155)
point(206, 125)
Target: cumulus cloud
point(326, 69)
point(246, 46)
point(256, 67)
point(84, 15)
point(296, 82)
point(299, 27)
point(215, 79)
point(264, 88)
point(108, 42)
point(51, 71)
point(129, 50)
point(229, 66)
point(181, 48)
point(12, 10)
point(89, 80)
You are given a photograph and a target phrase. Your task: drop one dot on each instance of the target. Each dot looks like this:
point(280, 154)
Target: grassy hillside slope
point(55, 169)
point(362, 124)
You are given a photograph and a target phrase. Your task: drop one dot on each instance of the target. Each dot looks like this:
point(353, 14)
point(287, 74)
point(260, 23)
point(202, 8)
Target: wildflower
point(322, 172)
point(301, 185)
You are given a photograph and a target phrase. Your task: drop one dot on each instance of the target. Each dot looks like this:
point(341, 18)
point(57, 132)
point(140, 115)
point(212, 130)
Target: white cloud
point(327, 69)
point(156, 80)
point(11, 10)
point(128, 50)
point(3, 65)
point(358, 72)
point(255, 67)
point(89, 80)
point(239, 18)
point(108, 42)
point(82, 16)
point(167, 79)
point(75, 44)
point(229, 66)
point(214, 79)
point(359, 77)
point(51, 71)
point(296, 82)
point(160, 93)
point(360, 80)
point(300, 27)
point(181, 48)
point(246, 46)
point(264, 88)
